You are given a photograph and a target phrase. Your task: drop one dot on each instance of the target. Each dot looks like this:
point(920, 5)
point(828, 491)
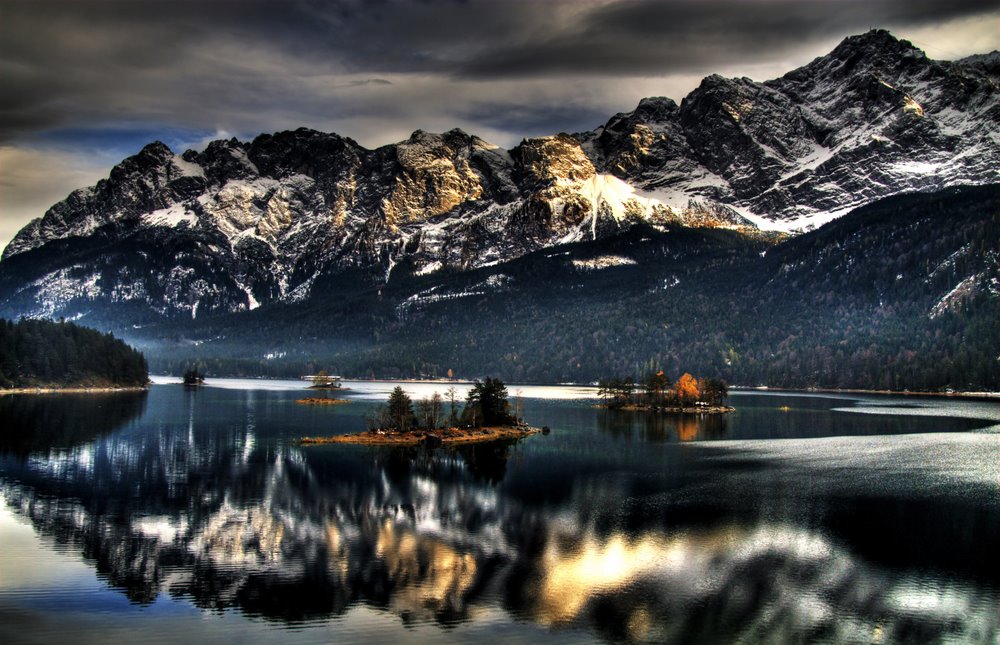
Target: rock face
point(873, 118)
point(282, 218)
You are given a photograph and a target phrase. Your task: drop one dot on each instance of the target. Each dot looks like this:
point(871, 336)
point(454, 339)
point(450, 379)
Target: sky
point(85, 83)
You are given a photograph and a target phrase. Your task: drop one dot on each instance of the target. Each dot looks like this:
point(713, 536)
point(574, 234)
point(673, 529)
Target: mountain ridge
point(302, 215)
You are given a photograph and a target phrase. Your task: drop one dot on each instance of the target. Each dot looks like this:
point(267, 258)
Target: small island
point(688, 395)
point(194, 378)
point(429, 438)
point(319, 400)
point(324, 382)
point(485, 417)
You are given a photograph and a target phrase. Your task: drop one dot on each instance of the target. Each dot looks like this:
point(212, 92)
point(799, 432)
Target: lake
point(190, 515)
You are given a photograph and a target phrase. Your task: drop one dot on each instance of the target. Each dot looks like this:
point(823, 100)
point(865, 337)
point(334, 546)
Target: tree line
point(867, 301)
point(656, 390)
point(38, 353)
point(487, 404)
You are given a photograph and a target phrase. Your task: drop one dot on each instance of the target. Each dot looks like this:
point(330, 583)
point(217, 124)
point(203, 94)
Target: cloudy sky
point(84, 83)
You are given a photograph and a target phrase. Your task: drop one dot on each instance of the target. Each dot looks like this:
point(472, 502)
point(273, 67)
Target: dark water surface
point(193, 515)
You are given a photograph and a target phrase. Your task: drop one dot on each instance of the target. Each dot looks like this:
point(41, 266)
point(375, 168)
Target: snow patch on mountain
point(602, 262)
point(187, 168)
point(493, 283)
point(172, 216)
point(954, 298)
point(57, 289)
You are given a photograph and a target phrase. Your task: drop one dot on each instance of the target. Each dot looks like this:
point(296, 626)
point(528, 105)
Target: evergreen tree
point(487, 404)
point(400, 410)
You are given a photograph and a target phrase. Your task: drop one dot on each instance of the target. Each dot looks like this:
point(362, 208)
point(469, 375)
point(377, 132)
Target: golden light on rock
point(429, 575)
point(572, 578)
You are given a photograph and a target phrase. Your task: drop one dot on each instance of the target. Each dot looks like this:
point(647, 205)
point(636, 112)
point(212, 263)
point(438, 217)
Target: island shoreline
point(670, 409)
point(451, 436)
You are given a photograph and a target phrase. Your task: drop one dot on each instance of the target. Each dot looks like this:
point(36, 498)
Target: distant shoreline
point(963, 394)
point(73, 390)
point(983, 396)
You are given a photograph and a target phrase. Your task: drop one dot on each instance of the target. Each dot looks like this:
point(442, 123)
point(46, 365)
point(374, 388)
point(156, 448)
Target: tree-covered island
point(657, 393)
point(435, 420)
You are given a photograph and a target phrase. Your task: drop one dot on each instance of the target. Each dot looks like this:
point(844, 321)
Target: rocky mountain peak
point(875, 54)
point(655, 108)
point(271, 219)
point(549, 159)
point(875, 41)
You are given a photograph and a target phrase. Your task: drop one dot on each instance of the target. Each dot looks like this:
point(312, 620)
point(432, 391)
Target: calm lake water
point(184, 515)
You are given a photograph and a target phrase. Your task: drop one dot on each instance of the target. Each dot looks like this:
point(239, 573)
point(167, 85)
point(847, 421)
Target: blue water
point(192, 515)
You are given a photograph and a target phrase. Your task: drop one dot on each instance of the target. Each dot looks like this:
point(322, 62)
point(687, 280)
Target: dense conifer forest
point(41, 353)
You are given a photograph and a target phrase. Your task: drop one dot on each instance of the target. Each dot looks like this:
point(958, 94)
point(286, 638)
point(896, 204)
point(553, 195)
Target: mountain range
point(305, 246)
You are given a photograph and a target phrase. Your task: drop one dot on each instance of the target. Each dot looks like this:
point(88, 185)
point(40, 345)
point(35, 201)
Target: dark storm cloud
point(247, 63)
point(663, 37)
point(532, 121)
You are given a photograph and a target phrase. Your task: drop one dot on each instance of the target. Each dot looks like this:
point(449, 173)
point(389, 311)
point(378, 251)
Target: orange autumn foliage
point(686, 388)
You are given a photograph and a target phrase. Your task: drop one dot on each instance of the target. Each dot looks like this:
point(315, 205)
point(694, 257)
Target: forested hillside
point(59, 354)
point(902, 294)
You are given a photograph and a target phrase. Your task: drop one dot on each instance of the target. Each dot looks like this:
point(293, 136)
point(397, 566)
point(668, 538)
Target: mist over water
point(194, 514)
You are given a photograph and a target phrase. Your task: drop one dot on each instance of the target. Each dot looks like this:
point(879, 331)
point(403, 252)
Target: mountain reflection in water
point(226, 514)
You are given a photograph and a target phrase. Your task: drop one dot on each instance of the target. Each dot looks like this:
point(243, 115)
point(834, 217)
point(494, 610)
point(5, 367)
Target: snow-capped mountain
point(873, 118)
point(283, 217)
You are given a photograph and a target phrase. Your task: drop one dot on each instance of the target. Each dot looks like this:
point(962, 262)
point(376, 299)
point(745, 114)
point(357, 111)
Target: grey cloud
point(637, 37)
point(365, 82)
point(237, 64)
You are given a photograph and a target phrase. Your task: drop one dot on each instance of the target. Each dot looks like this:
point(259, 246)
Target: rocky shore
point(434, 438)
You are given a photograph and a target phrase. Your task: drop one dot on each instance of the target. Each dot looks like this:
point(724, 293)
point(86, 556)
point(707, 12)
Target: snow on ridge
point(58, 288)
point(794, 225)
point(602, 262)
point(171, 217)
point(495, 282)
point(916, 167)
point(429, 268)
point(953, 298)
point(187, 168)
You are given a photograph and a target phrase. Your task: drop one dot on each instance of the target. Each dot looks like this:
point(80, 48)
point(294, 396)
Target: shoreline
point(969, 395)
point(449, 436)
point(986, 396)
point(314, 400)
point(73, 390)
point(708, 409)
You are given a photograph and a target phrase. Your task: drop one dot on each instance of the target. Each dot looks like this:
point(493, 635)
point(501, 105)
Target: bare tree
point(425, 415)
point(452, 395)
point(437, 410)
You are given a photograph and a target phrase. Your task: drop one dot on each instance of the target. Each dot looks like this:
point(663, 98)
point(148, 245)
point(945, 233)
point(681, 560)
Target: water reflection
point(661, 427)
point(216, 511)
point(39, 422)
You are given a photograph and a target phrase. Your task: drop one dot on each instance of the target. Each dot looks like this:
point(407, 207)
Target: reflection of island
point(662, 427)
point(290, 534)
